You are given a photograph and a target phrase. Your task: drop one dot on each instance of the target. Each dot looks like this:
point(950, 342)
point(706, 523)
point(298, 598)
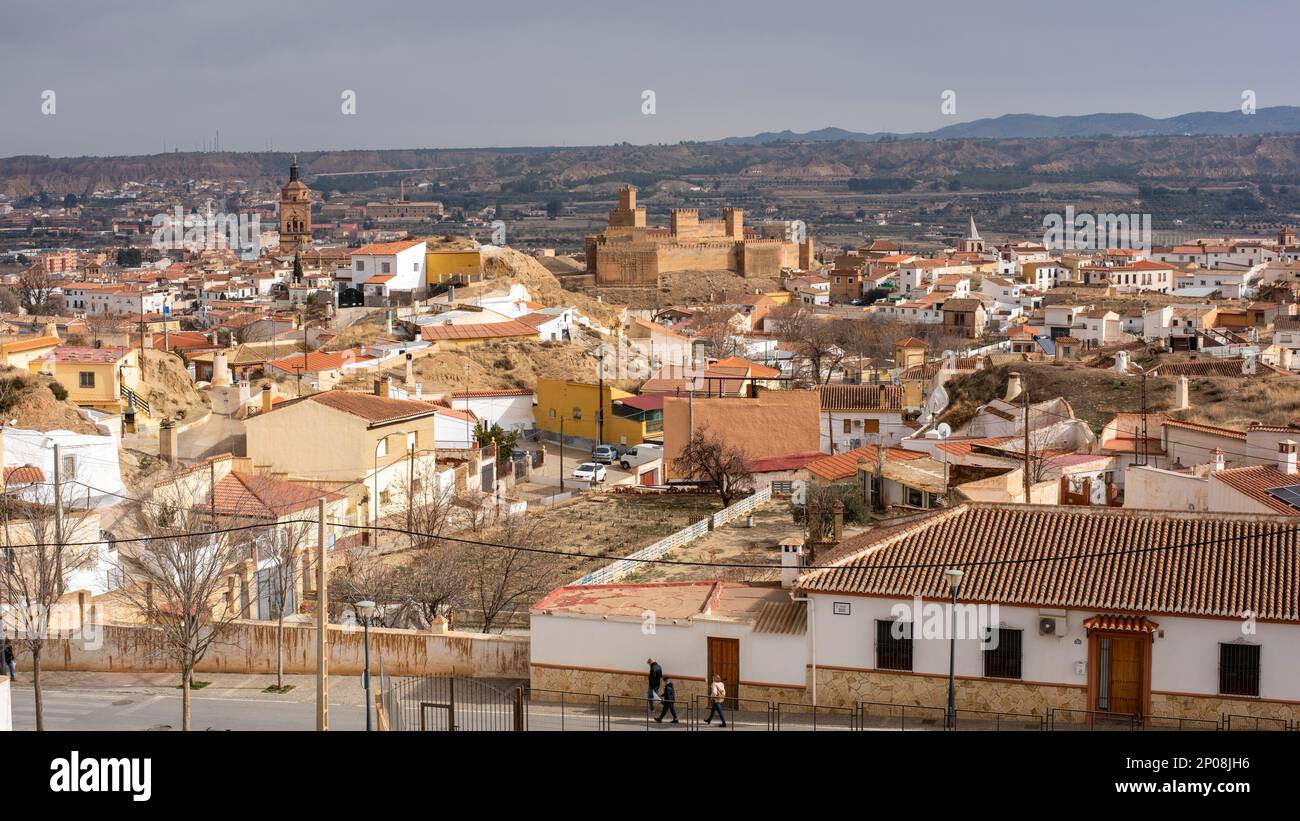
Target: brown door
point(724, 660)
point(1121, 669)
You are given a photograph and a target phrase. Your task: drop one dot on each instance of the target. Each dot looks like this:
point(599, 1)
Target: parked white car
point(589, 472)
point(639, 455)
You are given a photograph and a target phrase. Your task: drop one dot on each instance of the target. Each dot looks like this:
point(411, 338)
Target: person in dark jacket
point(670, 701)
point(9, 661)
point(656, 678)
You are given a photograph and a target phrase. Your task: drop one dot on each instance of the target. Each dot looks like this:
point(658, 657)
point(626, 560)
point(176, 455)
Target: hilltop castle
point(629, 252)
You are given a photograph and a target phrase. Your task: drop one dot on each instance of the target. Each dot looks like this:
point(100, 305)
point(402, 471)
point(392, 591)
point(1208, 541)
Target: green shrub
point(60, 392)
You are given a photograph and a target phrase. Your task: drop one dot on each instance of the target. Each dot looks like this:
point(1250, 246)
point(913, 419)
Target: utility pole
point(58, 496)
point(322, 621)
point(1024, 393)
point(212, 492)
point(561, 454)
point(1144, 419)
point(600, 397)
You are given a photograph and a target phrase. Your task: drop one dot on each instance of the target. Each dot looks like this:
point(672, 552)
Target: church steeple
point(295, 213)
point(293, 169)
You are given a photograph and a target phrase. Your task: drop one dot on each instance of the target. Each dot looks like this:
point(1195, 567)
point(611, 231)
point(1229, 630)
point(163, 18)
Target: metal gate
point(450, 704)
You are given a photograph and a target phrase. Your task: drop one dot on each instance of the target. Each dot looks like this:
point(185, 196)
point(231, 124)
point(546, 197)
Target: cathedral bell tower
point(295, 213)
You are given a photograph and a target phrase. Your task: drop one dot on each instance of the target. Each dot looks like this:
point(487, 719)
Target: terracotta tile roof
point(316, 361)
point(1197, 426)
point(1122, 624)
point(88, 355)
point(386, 248)
point(844, 465)
point(483, 393)
point(31, 343)
point(861, 397)
point(1191, 564)
point(911, 342)
point(1208, 367)
point(756, 370)
point(23, 475)
point(261, 497)
point(961, 447)
point(482, 330)
point(1255, 481)
point(374, 409)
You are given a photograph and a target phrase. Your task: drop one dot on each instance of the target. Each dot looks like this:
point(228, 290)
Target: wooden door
point(724, 660)
point(1125, 675)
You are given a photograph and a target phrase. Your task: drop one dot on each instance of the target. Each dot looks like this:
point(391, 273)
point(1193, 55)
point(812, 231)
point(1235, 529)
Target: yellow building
point(93, 377)
point(575, 404)
point(19, 353)
point(452, 266)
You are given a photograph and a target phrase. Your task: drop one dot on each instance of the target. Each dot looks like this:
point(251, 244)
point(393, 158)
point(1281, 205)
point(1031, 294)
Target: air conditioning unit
point(1052, 624)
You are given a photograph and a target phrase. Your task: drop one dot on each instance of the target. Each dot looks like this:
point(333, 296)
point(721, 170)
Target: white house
point(1197, 627)
point(380, 269)
point(512, 409)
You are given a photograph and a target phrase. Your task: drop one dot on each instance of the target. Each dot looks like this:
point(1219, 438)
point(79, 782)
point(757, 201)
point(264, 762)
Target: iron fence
point(1067, 719)
point(880, 715)
point(998, 722)
point(1232, 721)
point(807, 717)
point(739, 713)
point(1175, 723)
point(445, 703)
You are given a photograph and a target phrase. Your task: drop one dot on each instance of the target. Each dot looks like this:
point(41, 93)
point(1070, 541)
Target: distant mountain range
point(1274, 120)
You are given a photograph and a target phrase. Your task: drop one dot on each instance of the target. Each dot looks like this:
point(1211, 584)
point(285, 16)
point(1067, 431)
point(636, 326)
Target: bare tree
point(436, 575)
point(50, 532)
point(35, 287)
point(708, 458)
point(816, 338)
point(502, 579)
point(283, 548)
point(175, 573)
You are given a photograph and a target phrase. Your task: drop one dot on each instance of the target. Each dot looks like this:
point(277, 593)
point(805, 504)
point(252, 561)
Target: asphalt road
point(134, 709)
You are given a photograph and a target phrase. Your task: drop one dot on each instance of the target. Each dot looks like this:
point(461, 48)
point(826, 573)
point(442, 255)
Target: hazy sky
point(129, 76)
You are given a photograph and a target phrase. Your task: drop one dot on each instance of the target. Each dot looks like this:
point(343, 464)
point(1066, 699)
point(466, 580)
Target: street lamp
point(366, 609)
point(953, 577)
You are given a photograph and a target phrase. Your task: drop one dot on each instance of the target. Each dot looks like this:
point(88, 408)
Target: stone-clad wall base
point(1213, 708)
point(844, 688)
point(847, 688)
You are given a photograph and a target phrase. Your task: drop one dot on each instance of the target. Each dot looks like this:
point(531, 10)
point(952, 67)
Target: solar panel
point(1290, 494)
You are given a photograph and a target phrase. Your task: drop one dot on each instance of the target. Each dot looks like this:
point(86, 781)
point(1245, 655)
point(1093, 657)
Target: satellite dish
point(944, 430)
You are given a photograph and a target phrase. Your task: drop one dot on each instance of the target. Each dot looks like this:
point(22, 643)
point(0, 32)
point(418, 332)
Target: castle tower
point(295, 213)
point(684, 223)
point(1286, 237)
point(627, 214)
point(973, 244)
point(734, 220)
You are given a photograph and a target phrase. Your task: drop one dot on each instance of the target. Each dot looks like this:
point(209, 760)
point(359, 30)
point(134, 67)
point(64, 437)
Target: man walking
point(656, 677)
point(669, 699)
point(717, 692)
point(9, 660)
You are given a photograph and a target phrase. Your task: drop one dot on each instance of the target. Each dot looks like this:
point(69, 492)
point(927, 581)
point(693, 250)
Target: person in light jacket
point(717, 693)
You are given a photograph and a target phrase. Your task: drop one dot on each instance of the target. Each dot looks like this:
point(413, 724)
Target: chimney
point(52, 329)
point(381, 388)
point(1013, 387)
point(1216, 460)
point(167, 441)
point(410, 371)
point(1284, 359)
point(268, 398)
point(837, 529)
point(791, 560)
point(1181, 395)
point(1286, 456)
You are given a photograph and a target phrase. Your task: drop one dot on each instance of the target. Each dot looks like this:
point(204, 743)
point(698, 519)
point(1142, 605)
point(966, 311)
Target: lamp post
point(366, 609)
point(953, 576)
